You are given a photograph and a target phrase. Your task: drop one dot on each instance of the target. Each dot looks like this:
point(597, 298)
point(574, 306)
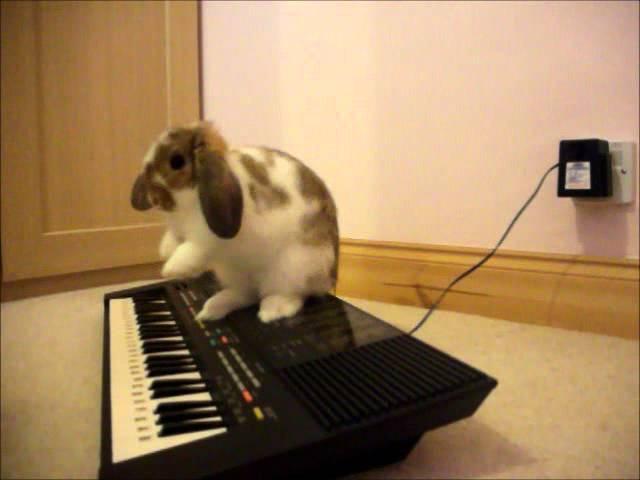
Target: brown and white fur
point(264, 222)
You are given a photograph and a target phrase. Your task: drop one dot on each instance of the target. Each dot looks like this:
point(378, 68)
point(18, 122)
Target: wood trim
point(590, 294)
point(576, 292)
point(75, 281)
point(183, 61)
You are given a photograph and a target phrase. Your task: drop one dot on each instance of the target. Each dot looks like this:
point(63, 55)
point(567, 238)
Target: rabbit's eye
point(177, 161)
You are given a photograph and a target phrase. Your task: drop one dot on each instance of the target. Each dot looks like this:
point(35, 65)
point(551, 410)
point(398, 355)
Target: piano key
point(154, 328)
point(174, 382)
point(148, 294)
point(169, 341)
point(180, 376)
point(164, 348)
point(191, 426)
point(180, 352)
point(174, 417)
point(158, 372)
point(170, 365)
point(178, 391)
point(154, 318)
point(159, 358)
point(168, 322)
point(184, 406)
point(159, 362)
point(142, 308)
point(154, 403)
point(149, 301)
point(158, 335)
point(166, 314)
point(158, 327)
point(155, 299)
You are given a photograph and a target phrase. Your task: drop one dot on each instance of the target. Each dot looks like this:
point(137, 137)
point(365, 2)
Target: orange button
point(247, 396)
point(224, 339)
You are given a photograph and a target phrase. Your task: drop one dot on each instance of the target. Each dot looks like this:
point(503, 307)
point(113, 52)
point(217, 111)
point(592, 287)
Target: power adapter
point(589, 172)
point(584, 168)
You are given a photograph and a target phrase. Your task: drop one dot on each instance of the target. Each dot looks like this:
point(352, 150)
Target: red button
point(247, 396)
point(224, 339)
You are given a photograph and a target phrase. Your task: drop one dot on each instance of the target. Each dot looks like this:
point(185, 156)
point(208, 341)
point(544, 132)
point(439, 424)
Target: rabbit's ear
point(139, 194)
point(206, 134)
point(219, 192)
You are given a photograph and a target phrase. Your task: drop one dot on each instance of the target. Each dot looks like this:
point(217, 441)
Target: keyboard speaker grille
point(356, 385)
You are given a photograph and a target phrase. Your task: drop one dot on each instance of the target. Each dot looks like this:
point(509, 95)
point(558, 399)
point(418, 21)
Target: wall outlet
point(623, 175)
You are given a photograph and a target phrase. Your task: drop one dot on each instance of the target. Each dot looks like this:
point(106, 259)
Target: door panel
point(86, 86)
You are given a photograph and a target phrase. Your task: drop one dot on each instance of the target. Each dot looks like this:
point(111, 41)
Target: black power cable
point(488, 256)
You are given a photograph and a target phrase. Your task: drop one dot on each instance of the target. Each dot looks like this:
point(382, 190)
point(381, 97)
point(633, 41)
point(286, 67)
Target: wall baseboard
point(74, 281)
point(591, 294)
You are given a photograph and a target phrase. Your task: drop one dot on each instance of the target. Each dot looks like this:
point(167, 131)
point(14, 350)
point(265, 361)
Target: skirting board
point(75, 281)
point(591, 294)
point(574, 292)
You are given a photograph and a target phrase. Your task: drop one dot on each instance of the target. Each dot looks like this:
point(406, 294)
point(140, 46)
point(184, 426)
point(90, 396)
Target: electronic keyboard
point(328, 392)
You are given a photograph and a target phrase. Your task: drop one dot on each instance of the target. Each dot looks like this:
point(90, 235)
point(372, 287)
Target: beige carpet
point(567, 404)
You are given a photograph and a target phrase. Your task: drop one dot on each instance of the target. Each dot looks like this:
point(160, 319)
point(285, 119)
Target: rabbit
point(260, 219)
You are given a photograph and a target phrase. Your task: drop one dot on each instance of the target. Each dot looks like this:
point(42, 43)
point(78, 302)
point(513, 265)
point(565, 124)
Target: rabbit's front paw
point(172, 269)
point(185, 262)
point(274, 307)
point(168, 245)
point(222, 303)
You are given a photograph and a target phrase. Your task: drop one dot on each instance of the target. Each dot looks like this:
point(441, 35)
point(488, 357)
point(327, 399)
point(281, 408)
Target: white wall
point(432, 122)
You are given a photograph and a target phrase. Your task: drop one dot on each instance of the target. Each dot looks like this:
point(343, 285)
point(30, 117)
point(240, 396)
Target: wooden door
point(86, 87)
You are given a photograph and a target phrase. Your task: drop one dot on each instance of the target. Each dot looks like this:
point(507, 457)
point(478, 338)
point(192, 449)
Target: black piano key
point(173, 364)
point(163, 329)
point(143, 308)
point(175, 417)
point(155, 343)
point(176, 382)
point(159, 372)
point(151, 344)
point(146, 301)
point(151, 308)
point(170, 365)
point(148, 296)
point(159, 335)
point(160, 358)
point(154, 318)
point(187, 427)
point(163, 348)
point(183, 406)
point(157, 327)
point(177, 391)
